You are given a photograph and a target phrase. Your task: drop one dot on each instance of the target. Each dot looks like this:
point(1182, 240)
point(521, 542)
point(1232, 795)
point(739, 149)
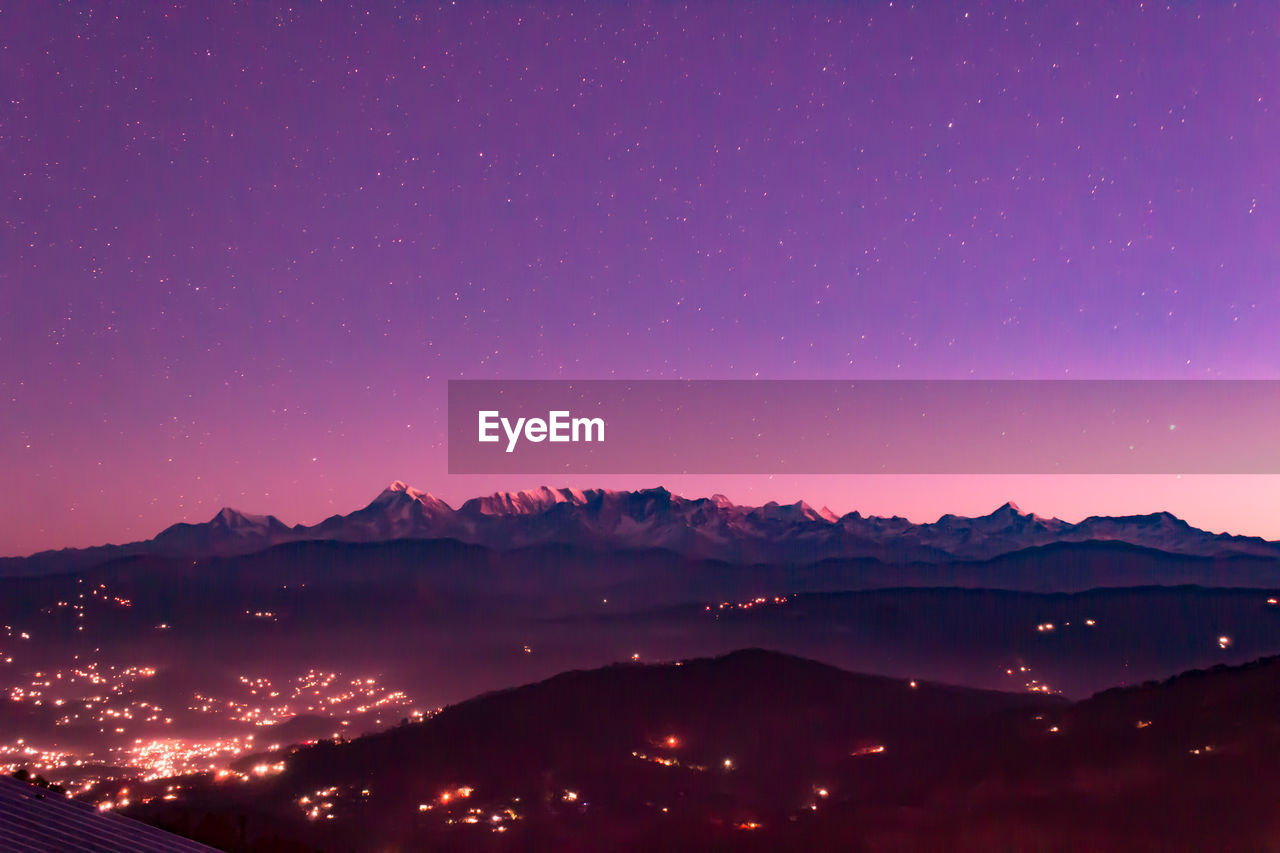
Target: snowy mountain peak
point(525, 502)
point(399, 490)
point(1008, 513)
point(228, 517)
point(790, 513)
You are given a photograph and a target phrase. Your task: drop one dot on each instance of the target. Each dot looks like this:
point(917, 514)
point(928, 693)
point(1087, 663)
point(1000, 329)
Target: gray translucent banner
point(864, 427)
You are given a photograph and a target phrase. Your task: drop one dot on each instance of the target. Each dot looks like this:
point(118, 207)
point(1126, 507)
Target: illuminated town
point(110, 725)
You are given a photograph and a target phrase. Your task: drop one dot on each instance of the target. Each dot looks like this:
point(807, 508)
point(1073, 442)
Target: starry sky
point(243, 248)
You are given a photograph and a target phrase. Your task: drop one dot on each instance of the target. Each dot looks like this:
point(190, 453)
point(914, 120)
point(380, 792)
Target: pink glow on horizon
point(1242, 505)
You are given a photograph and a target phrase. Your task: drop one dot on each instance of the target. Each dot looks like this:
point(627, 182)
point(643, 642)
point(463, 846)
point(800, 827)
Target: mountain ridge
point(713, 527)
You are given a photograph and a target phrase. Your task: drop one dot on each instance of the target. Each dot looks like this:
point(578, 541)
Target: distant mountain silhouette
point(712, 528)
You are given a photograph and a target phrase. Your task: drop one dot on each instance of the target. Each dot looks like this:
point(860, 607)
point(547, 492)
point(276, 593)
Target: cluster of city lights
point(91, 693)
point(34, 759)
point(135, 738)
point(315, 692)
point(165, 758)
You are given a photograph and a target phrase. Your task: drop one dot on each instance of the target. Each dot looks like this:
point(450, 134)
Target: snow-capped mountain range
point(711, 527)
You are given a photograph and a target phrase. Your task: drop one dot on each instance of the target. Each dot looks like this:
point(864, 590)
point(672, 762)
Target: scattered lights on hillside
point(668, 761)
point(326, 803)
point(458, 807)
point(85, 602)
point(1029, 683)
point(447, 797)
point(320, 803)
point(1050, 627)
point(761, 601)
point(262, 703)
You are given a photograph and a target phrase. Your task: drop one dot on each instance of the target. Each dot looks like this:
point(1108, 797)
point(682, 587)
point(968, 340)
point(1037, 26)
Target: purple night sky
point(244, 247)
